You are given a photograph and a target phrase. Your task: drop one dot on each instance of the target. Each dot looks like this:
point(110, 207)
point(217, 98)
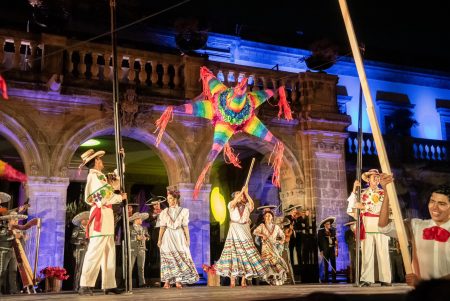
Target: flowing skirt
point(240, 256)
point(277, 267)
point(176, 259)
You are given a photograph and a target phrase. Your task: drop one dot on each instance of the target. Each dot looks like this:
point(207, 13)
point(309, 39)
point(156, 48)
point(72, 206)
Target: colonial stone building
point(60, 96)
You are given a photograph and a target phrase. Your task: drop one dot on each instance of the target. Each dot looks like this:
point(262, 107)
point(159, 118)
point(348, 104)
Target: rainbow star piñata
point(231, 110)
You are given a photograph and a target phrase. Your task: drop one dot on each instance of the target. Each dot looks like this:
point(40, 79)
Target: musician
point(7, 257)
point(138, 238)
point(4, 198)
point(292, 214)
point(328, 246)
point(351, 245)
point(80, 241)
point(101, 250)
point(288, 230)
point(154, 220)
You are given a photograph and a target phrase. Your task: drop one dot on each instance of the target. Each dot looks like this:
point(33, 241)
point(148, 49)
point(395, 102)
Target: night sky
point(397, 32)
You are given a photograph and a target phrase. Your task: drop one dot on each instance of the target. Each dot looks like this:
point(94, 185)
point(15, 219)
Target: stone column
point(322, 138)
point(199, 222)
point(47, 199)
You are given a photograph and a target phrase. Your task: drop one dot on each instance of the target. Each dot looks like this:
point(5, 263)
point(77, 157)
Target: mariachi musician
point(80, 241)
point(138, 239)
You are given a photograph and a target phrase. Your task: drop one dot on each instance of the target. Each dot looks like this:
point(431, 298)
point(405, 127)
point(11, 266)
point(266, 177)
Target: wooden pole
point(382, 156)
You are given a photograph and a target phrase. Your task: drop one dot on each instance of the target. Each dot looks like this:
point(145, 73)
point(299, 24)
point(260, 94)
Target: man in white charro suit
point(101, 252)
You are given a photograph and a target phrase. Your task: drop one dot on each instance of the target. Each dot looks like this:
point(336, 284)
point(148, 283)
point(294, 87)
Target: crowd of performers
point(264, 250)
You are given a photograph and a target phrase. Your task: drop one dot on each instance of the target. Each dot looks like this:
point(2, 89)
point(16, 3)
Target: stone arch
point(169, 152)
point(24, 143)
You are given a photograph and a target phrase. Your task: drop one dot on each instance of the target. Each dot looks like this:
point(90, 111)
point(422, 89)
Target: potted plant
point(53, 278)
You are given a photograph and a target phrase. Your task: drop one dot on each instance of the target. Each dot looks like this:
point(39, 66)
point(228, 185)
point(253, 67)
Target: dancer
point(272, 238)
point(373, 243)
point(431, 237)
point(101, 251)
point(239, 256)
point(174, 241)
point(153, 264)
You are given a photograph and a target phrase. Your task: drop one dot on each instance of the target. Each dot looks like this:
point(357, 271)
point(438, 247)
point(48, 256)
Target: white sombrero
point(79, 217)
point(366, 176)
point(350, 223)
point(330, 219)
point(156, 200)
point(4, 197)
point(286, 222)
point(142, 216)
point(292, 207)
point(266, 208)
point(89, 155)
point(13, 215)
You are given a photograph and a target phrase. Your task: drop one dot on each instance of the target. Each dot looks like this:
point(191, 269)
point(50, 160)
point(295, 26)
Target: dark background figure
point(295, 241)
point(397, 269)
point(153, 260)
point(119, 238)
point(80, 242)
point(328, 246)
point(349, 236)
point(138, 238)
point(309, 272)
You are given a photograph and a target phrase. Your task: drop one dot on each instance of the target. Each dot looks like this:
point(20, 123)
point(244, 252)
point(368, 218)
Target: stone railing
point(89, 65)
point(401, 149)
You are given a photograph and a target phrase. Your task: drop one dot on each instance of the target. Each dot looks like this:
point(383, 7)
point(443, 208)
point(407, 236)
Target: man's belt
point(96, 216)
point(362, 232)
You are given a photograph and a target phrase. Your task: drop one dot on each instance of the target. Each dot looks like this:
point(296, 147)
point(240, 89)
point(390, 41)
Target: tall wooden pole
point(382, 155)
point(118, 145)
point(358, 191)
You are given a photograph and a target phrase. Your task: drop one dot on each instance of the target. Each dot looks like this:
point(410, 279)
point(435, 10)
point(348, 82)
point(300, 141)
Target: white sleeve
point(163, 218)
point(114, 199)
point(351, 202)
point(389, 230)
point(185, 220)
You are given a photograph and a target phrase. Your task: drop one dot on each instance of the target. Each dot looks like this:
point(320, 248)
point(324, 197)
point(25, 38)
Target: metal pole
point(118, 145)
point(358, 191)
point(379, 143)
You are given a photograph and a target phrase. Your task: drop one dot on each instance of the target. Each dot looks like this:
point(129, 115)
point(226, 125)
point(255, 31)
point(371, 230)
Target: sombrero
point(79, 217)
point(286, 222)
point(350, 223)
point(13, 215)
point(156, 200)
point(292, 207)
point(89, 155)
point(142, 216)
point(366, 176)
point(4, 197)
point(133, 204)
point(330, 219)
point(266, 208)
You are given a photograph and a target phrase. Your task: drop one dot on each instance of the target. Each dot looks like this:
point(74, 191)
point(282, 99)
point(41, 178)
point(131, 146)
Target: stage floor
point(261, 292)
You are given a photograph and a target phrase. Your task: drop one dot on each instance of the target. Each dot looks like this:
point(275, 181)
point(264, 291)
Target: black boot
point(113, 291)
point(85, 290)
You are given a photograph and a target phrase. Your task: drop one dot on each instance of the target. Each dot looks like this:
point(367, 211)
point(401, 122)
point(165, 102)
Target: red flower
point(56, 272)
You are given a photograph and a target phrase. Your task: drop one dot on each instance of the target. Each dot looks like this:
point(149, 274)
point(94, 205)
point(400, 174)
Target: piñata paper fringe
point(230, 157)
point(201, 179)
point(8, 173)
point(3, 88)
point(162, 122)
point(276, 160)
point(283, 104)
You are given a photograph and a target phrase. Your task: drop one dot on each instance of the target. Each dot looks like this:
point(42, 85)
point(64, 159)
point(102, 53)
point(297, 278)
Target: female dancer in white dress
point(176, 261)
point(240, 256)
point(272, 239)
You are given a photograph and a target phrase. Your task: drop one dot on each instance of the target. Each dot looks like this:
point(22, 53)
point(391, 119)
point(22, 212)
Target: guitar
point(6, 211)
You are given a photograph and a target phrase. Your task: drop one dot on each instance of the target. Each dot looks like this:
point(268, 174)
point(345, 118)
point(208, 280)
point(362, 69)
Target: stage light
point(218, 207)
point(90, 142)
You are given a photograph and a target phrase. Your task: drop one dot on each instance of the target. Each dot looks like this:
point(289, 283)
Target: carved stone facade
point(47, 127)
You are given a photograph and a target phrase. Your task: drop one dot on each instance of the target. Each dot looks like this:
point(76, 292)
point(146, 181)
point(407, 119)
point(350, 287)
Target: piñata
point(231, 110)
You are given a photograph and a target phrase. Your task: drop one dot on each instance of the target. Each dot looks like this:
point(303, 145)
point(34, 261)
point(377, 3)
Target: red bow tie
point(436, 233)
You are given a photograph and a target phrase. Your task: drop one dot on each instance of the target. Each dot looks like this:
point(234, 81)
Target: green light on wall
point(90, 142)
point(218, 207)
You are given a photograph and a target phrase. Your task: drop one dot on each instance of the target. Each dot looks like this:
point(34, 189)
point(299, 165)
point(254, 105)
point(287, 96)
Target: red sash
point(96, 216)
point(362, 230)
